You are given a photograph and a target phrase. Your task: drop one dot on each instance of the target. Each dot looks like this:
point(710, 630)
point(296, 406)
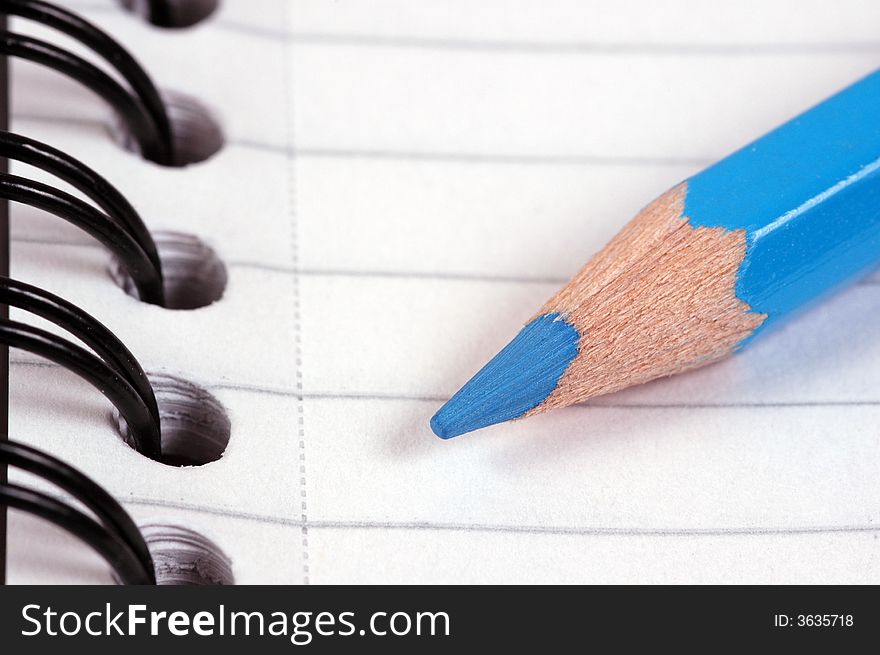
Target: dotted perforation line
point(297, 334)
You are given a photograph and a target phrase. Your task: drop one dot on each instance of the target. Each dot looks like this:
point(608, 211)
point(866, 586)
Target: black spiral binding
point(111, 532)
point(117, 374)
point(4, 310)
point(120, 229)
point(141, 109)
point(109, 365)
point(114, 370)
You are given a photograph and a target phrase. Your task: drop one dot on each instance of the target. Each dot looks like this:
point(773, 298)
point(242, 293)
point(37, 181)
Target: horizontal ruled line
point(594, 531)
point(501, 158)
point(507, 528)
point(539, 159)
point(578, 47)
point(545, 47)
point(438, 398)
point(359, 273)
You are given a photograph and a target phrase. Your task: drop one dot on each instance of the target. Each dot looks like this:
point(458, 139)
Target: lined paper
point(403, 183)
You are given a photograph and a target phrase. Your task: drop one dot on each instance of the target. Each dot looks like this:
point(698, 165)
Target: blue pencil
point(702, 270)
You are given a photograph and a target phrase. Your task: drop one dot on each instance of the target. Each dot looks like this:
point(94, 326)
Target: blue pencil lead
point(516, 380)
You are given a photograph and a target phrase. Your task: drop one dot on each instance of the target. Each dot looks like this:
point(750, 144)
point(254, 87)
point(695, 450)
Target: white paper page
point(403, 184)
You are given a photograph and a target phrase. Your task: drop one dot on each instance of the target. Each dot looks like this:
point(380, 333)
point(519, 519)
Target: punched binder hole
point(184, 557)
point(172, 13)
point(194, 275)
point(195, 429)
point(196, 134)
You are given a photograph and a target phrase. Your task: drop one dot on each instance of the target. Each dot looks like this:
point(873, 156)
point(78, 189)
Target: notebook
point(393, 174)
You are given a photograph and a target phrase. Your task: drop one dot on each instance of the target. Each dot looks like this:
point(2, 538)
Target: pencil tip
point(516, 380)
